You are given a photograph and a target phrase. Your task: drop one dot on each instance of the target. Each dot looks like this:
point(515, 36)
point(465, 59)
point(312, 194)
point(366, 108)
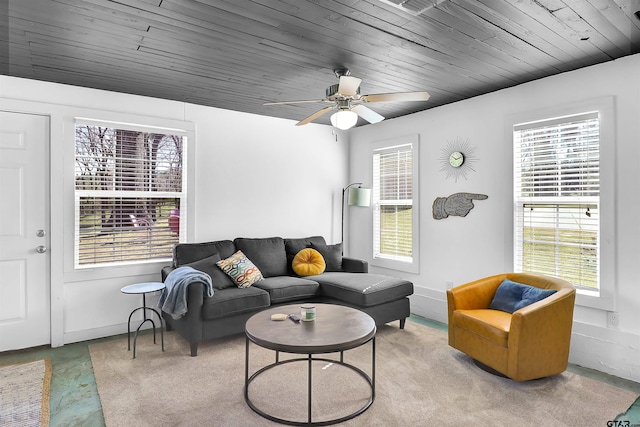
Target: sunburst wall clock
point(457, 159)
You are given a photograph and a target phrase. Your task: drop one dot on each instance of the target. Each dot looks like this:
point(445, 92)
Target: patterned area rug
point(24, 394)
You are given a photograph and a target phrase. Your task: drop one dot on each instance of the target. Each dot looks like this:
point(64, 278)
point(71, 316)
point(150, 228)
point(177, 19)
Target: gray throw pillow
point(219, 279)
point(185, 253)
point(332, 255)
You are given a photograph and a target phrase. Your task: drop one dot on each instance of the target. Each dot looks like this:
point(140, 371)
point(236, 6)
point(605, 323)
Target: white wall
point(250, 176)
point(460, 249)
point(261, 176)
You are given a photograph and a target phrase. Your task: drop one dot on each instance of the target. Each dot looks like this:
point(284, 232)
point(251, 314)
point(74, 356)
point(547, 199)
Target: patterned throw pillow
point(241, 270)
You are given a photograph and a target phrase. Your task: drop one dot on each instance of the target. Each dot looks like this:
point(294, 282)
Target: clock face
point(456, 159)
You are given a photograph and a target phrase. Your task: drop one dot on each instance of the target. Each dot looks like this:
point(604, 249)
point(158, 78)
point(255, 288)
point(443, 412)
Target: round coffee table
point(336, 329)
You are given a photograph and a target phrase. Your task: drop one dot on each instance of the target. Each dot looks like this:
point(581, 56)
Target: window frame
point(604, 298)
point(407, 265)
point(134, 196)
point(73, 273)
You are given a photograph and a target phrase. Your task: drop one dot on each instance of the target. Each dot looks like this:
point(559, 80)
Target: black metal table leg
point(309, 360)
point(309, 390)
point(144, 288)
point(310, 343)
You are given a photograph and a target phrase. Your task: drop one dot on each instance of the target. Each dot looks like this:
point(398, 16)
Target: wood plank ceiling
point(238, 55)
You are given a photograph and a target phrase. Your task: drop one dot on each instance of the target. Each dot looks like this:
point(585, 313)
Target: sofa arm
point(470, 296)
point(189, 326)
point(165, 271)
point(542, 332)
point(354, 265)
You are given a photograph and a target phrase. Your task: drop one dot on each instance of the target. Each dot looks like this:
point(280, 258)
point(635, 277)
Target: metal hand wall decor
point(458, 204)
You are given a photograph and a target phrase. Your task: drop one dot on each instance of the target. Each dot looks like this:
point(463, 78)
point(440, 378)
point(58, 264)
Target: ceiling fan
point(346, 100)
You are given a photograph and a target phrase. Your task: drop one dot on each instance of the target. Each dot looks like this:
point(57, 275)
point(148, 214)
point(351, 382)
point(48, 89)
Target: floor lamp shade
point(359, 196)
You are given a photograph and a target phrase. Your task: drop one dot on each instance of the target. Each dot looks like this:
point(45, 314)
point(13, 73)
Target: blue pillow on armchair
point(511, 296)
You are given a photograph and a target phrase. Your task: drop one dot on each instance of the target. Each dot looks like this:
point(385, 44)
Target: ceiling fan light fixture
point(344, 119)
point(347, 100)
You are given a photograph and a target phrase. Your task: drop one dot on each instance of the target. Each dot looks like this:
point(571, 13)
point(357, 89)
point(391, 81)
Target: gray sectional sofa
point(345, 281)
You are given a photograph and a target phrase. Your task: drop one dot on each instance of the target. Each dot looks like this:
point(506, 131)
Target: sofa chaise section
point(371, 293)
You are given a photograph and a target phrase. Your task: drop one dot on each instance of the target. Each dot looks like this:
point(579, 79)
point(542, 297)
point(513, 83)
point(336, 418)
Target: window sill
point(112, 272)
point(394, 264)
point(594, 299)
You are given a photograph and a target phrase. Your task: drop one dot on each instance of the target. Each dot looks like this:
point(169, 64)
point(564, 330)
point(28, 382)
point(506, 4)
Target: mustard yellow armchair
point(532, 342)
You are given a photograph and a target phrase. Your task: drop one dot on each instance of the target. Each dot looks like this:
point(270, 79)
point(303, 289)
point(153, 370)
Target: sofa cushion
point(512, 296)
point(362, 289)
point(308, 262)
point(219, 279)
point(293, 246)
point(241, 270)
point(490, 324)
point(268, 254)
point(332, 255)
point(287, 288)
point(232, 301)
point(185, 253)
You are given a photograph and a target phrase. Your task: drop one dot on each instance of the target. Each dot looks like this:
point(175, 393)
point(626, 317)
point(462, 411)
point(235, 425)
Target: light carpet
point(24, 394)
point(420, 380)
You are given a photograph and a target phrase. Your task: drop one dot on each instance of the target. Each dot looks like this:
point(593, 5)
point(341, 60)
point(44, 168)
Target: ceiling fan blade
point(296, 102)
point(367, 114)
point(348, 85)
point(314, 116)
point(391, 97)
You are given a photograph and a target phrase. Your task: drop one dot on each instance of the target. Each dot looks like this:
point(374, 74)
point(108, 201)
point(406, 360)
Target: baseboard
point(606, 350)
point(92, 334)
point(429, 303)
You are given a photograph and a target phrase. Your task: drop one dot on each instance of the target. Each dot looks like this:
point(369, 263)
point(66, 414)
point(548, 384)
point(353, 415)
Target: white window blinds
point(557, 198)
point(128, 193)
point(393, 201)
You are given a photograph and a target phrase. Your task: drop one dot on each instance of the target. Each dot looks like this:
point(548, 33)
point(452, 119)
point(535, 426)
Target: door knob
point(41, 233)
point(41, 249)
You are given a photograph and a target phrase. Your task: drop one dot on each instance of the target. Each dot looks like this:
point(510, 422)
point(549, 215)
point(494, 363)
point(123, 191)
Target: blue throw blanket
point(173, 299)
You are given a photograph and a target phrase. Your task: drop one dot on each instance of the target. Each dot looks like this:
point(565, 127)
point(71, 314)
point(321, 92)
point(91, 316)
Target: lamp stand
point(344, 191)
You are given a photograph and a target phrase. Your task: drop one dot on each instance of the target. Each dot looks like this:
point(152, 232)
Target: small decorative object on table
point(308, 312)
point(143, 288)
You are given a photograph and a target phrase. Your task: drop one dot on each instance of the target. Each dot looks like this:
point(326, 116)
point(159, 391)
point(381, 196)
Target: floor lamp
point(358, 196)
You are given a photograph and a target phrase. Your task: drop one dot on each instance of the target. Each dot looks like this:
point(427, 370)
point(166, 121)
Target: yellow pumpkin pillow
point(308, 262)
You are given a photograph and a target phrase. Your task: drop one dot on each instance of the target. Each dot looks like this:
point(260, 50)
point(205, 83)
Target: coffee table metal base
point(371, 380)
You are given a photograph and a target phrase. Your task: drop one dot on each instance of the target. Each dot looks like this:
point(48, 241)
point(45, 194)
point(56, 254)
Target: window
point(128, 193)
point(557, 199)
point(394, 206)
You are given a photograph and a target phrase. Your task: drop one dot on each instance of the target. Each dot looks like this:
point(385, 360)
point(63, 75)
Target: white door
point(24, 231)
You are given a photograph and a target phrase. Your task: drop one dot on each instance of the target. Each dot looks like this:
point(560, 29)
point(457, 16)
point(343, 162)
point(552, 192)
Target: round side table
point(144, 289)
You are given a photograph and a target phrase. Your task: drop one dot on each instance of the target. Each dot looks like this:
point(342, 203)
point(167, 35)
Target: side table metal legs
point(144, 309)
